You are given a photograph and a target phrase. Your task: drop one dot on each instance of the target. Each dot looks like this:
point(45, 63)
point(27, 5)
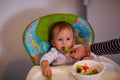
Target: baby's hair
point(58, 26)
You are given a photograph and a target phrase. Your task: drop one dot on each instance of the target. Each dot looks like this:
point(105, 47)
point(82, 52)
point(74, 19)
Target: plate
point(112, 71)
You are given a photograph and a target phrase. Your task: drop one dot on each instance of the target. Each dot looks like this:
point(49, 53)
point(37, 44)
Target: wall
point(15, 15)
point(104, 16)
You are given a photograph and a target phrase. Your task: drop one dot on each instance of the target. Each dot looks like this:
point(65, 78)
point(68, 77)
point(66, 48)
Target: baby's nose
point(64, 42)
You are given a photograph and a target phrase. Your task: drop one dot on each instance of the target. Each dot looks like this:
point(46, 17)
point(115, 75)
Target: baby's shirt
point(54, 57)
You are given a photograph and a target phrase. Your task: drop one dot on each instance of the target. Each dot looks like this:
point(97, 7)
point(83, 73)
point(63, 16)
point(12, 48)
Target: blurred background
point(15, 15)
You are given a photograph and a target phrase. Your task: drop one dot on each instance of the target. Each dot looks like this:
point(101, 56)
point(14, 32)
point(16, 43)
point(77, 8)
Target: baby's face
point(64, 39)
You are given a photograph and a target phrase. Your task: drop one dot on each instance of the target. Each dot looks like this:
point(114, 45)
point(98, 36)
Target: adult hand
point(77, 53)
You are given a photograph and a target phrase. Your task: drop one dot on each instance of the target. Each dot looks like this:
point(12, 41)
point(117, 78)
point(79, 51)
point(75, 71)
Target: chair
point(36, 34)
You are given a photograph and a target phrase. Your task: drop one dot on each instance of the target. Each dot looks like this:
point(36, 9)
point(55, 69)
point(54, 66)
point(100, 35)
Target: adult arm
point(107, 47)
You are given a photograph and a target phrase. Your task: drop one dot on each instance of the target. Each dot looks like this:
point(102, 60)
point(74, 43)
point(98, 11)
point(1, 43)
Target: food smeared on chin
point(84, 69)
point(66, 49)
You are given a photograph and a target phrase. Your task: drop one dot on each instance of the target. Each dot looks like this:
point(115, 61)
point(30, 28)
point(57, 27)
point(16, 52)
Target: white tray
point(112, 71)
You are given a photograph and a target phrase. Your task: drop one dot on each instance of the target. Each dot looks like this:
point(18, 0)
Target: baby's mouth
point(66, 49)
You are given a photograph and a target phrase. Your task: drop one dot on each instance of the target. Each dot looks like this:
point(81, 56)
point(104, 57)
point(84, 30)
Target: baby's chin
point(67, 54)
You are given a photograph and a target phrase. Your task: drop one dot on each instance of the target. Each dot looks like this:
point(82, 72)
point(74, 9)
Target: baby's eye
point(59, 39)
point(68, 39)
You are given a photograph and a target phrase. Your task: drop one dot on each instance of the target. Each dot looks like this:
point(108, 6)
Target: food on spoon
point(84, 69)
point(66, 49)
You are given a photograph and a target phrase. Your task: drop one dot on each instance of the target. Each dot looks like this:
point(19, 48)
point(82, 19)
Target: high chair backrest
point(36, 34)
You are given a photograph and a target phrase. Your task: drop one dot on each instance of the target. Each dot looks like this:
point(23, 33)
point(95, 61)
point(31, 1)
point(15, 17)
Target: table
point(112, 71)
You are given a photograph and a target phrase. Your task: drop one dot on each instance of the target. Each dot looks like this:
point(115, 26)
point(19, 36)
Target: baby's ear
point(52, 42)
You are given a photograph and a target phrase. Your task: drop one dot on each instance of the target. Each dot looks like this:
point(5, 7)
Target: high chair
point(36, 34)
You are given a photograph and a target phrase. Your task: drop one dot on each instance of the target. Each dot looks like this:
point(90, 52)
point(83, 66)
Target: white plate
point(112, 71)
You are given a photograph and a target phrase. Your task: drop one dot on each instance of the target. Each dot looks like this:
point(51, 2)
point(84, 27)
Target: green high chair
point(36, 34)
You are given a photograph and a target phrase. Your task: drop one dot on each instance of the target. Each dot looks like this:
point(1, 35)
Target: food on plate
point(85, 69)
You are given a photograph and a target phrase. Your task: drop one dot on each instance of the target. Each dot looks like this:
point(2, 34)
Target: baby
point(62, 40)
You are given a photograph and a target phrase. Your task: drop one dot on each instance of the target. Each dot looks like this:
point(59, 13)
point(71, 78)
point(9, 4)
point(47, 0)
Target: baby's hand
point(46, 69)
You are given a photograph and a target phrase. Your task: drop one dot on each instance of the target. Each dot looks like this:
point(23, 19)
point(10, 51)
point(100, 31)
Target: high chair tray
point(112, 71)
